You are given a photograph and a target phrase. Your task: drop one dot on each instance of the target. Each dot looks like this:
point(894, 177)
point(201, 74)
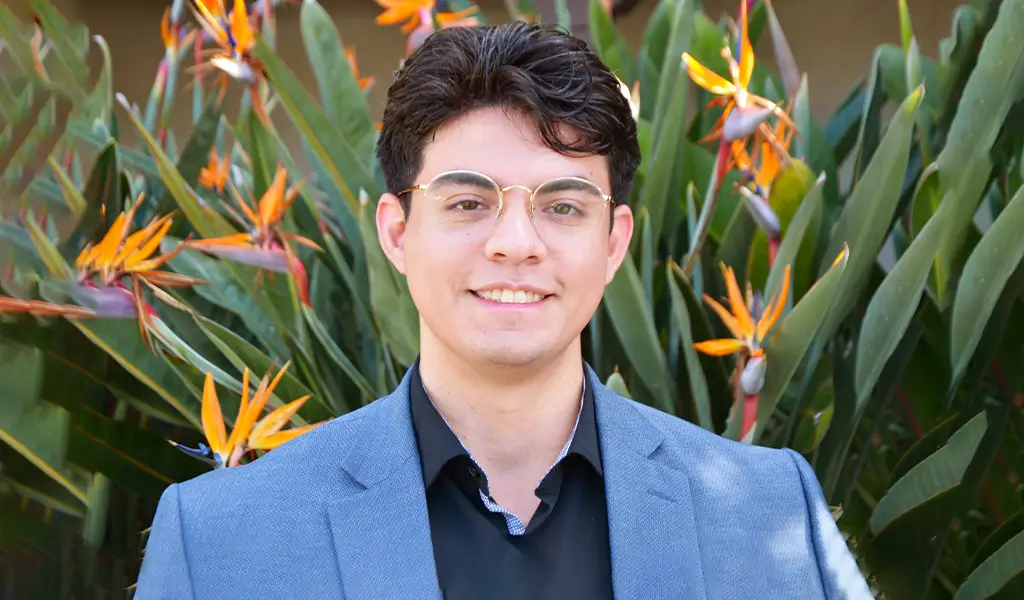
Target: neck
point(513, 419)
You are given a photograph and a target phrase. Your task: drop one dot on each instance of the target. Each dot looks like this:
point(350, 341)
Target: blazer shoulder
point(695, 449)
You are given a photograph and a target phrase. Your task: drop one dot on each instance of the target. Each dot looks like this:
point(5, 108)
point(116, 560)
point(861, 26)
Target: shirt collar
point(438, 444)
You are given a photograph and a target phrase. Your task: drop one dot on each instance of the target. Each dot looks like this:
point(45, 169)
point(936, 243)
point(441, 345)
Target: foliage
point(890, 251)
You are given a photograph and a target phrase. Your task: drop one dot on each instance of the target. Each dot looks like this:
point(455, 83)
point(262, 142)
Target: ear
point(618, 240)
point(391, 230)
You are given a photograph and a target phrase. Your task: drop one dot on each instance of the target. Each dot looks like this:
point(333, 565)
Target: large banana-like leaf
point(895, 302)
point(34, 428)
point(633, 321)
point(965, 162)
point(936, 474)
point(609, 43)
point(986, 272)
point(342, 98)
point(869, 210)
point(392, 304)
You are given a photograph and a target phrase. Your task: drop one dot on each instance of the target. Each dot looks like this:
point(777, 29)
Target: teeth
point(510, 296)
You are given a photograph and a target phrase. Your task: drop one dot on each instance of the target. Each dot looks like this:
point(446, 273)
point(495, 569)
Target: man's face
point(457, 264)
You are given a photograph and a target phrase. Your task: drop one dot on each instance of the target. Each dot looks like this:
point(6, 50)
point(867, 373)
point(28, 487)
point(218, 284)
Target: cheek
point(434, 267)
point(584, 270)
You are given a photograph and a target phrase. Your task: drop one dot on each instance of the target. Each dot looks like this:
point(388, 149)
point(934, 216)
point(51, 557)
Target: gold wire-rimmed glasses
point(471, 202)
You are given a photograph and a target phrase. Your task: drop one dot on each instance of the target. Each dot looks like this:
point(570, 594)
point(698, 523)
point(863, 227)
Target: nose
point(514, 237)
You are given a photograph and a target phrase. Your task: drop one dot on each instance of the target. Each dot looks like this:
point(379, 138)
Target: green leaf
point(344, 103)
point(965, 162)
point(634, 324)
point(393, 308)
point(936, 474)
point(804, 221)
point(789, 340)
point(894, 303)
point(208, 222)
point(120, 339)
point(228, 289)
point(325, 142)
point(991, 576)
point(610, 45)
point(867, 215)
point(104, 196)
point(135, 459)
point(339, 357)
point(681, 315)
point(34, 428)
point(196, 153)
point(985, 273)
point(562, 15)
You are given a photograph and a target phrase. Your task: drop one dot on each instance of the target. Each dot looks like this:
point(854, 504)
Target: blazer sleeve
point(841, 577)
point(165, 573)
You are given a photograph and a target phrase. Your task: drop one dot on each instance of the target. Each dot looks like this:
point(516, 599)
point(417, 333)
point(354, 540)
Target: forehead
point(507, 147)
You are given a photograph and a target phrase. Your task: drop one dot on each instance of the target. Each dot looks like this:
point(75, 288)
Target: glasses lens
point(568, 203)
point(464, 199)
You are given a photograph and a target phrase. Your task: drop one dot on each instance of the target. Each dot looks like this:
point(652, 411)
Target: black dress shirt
point(481, 551)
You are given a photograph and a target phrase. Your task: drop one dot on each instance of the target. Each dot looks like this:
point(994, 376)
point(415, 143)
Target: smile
point(506, 296)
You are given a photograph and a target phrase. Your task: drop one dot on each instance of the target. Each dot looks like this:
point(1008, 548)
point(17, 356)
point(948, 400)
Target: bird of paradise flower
point(744, 112)
point(112, 275)
point(222, 450)
point(750, 321)
point(233, 35)
point(265, 245)
point(420, 18)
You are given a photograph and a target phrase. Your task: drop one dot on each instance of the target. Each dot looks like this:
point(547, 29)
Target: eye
point(564, 209)
point(465, 203)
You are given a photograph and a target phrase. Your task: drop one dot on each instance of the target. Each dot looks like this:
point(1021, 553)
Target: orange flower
point(214, 176)
point(744, 112)
point(748, 322)
point(227, 451)
point(408, 11)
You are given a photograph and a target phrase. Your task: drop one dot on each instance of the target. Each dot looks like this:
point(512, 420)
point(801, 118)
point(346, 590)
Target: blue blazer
point(341, 513)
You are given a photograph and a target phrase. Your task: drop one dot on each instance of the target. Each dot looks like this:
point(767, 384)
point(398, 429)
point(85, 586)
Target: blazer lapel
point(651, 525)
point(382, 531)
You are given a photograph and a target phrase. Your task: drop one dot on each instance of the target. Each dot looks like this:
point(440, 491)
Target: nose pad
point(514, 233)
point(505, 195)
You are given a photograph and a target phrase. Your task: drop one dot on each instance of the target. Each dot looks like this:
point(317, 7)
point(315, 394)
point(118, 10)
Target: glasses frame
point(423, 187)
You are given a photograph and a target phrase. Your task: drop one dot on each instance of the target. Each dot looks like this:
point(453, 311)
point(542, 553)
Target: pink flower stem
point(749, 414)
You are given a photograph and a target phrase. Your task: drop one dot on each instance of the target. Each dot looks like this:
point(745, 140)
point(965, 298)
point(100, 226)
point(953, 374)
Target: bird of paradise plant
point(744, 112)
point(222, 450)
point(233, 35)
point(112, 275)
point(265, 245)
point(750, 321)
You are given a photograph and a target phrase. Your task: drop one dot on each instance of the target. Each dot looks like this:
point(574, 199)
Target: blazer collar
point(382, 532)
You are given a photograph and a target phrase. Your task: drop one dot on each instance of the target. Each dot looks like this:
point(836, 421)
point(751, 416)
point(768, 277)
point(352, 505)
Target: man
point(501, 467)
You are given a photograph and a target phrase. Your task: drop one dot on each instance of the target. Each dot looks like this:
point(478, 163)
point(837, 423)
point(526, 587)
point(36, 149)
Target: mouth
point(507, 296)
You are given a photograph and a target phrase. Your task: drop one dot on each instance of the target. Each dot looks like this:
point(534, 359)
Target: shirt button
point(475, 472)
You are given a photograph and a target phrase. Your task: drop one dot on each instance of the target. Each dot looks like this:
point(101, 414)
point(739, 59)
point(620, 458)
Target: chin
point(511, 349)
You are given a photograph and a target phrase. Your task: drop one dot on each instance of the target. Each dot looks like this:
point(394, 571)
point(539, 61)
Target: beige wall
point(832, 40)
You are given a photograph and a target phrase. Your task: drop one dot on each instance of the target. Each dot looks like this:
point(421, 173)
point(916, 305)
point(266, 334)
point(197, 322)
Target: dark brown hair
point(539, 71)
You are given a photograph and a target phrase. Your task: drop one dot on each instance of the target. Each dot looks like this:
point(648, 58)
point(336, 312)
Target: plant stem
point(708, 210)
